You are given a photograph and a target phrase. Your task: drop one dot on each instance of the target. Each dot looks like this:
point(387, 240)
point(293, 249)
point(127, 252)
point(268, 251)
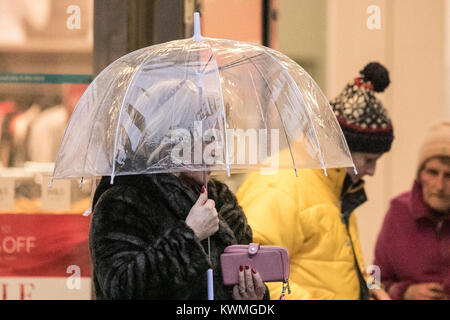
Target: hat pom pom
point(376, 74)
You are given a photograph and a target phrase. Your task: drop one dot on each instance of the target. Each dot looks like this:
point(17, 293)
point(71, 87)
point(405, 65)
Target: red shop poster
point(44, 256)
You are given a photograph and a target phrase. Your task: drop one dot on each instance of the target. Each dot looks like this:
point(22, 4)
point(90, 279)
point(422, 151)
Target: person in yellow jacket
point(311, 215)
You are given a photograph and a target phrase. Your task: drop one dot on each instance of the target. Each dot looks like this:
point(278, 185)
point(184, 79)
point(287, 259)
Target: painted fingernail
point(247, 267)
point(241, 268)
point(253, 270)
point(203, 189)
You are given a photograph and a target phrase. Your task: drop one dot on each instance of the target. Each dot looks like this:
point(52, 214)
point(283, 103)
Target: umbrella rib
point(300, 95)
point(264, 119)
point(242, 60)
point(279, 114)
point(120, 116)
point(163, 67)
point(92, 128)
point(157, 67)
point(209, 60)
point(237, 62)
point(227, 160)
point(68, 125)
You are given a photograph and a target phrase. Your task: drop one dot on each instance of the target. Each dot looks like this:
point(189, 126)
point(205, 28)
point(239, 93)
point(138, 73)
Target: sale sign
point(44, 255)
point(43, 288)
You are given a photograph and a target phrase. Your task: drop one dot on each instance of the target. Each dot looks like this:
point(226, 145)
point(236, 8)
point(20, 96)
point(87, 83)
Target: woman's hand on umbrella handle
point(203, 218)
point(250, 287)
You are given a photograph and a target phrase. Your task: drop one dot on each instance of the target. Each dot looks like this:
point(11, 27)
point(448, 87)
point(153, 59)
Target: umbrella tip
point(197, 35)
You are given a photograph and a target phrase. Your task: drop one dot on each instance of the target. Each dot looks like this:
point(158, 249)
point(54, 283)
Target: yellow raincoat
point(303, 214)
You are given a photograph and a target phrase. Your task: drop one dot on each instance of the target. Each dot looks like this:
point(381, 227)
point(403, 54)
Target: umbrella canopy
point(197, 104)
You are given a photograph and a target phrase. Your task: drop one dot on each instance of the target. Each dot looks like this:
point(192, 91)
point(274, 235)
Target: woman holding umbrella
point(135, 123)
point(148, 236)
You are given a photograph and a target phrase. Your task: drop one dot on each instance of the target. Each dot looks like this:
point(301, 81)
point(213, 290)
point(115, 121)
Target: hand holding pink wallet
point(271, 262)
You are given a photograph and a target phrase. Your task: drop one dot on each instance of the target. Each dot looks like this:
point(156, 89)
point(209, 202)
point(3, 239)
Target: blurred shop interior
point(51, 50)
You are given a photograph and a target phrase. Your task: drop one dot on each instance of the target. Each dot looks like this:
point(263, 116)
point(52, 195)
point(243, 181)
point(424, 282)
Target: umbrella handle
point(209, 276)
point(209, 272)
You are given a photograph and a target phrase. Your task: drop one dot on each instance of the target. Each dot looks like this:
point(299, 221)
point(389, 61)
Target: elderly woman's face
point(435, 179)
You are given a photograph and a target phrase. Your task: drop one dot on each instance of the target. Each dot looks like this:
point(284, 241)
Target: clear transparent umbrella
point(158, 109)
point(201, 104)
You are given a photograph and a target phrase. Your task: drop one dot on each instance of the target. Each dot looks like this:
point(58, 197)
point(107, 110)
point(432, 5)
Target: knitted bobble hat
point(363, 119)
point(436, 143)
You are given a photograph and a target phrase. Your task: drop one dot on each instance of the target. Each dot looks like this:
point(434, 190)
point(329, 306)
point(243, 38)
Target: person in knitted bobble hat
point(311, 215)
point(363, 119)
point(413, 247)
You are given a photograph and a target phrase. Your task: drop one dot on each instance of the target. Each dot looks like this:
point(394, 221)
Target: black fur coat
point(141, 247)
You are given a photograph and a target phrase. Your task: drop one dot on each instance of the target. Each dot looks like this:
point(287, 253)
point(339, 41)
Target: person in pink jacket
point(413, 247)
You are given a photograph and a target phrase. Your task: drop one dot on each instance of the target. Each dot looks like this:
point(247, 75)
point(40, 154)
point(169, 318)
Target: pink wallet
point(271, 262)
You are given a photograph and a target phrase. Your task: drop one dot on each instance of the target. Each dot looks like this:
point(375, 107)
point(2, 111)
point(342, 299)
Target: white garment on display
point(46, 133)
point(14, 14)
